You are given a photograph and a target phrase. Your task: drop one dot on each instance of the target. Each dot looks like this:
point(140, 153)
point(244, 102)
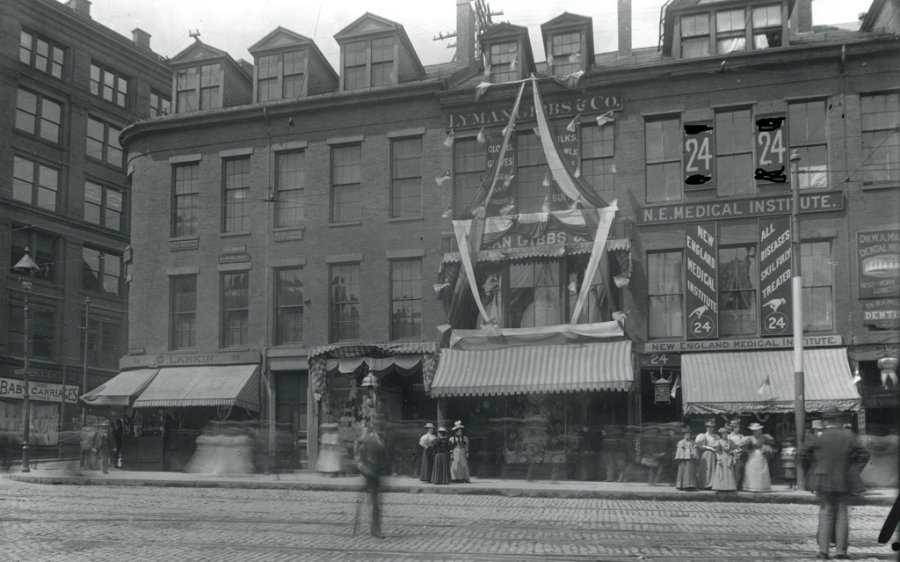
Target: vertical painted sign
point(771, 149)
point(569, 147)
point(503, 199)
point(775, 275)
point(879, 263)
point(701, 297)
point(699, 155)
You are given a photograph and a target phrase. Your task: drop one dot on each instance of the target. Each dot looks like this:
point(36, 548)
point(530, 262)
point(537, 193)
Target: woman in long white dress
point(707, 443)
point(459, 463)
point(756, 469)
point(723, 479)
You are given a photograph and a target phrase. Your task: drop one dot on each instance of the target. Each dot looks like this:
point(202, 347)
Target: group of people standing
point(724, 460)
point(445, 458)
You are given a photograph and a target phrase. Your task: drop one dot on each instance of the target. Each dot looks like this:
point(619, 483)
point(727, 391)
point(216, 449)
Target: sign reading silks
point(775, 300)
point(701, 294)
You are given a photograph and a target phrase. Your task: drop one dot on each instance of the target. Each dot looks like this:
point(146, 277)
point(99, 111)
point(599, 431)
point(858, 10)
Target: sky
point(235, 25)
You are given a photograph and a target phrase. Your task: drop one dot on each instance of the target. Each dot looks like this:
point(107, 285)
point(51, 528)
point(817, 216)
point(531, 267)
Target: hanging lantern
point(661, 388)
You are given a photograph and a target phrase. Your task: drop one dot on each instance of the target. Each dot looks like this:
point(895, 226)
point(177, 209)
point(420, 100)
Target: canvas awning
point(534, 369)
point(763, 381)
point(120, 390)
point(208, 385)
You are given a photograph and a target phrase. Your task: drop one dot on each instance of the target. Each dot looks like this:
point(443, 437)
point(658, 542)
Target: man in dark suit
point(373, 464)
point(834, 456)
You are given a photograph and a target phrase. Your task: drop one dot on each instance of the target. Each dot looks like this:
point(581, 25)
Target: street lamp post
point(84, 358)
point(26, 266)
point(797, 309)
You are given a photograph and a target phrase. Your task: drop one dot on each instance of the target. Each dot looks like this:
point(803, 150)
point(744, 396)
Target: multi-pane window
point(665, 292)
point(235, 308)
point(35, 183)
point(694, 36)
point(818, 282)
point(41, 327)
point(109, 85)
point(290, 181)
point(280, 76)
point(406, 177)
point(566, 50)
point(737, 291)
point(42, 246)
point(293, 65)
point(236, 180)
point(102, 205)
point(344, 302)
point(534, 294)
point(198, 87)
point(598, 166)
point(731, 26)
point(41, 54)
point(881, 138)
point(103, 343)
point(38, 115)
point(806, 122)
point(504, 59)
point(267, 78)
point(101, 272)
point(468, 168)
point(406, 299)
point(346, 192)
point(531, 170)
point(767, 26)
point(159, 105)
point(734, 152)
point(362, 70)
point(183, 312)
point(288, 305)
point(186, 200)
point(103, 142)
point(663, 145)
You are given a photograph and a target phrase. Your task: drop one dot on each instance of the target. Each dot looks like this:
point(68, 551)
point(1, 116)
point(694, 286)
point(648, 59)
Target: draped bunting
point(606, 217)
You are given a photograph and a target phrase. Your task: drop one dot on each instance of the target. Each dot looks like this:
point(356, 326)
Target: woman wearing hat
point(686, 458)
point(756, 470)
point(440, 472)
point(706, 447)
point(723, 478)
point(427, 442)
point(459, 443)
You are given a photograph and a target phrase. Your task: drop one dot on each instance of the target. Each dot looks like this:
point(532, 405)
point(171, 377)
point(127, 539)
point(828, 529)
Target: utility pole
point(27, 266)
point(84, 358)
point(797, 314)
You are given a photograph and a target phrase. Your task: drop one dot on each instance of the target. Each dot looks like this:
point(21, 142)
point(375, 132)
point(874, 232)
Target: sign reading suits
point(775, 275)
point(504, 196)
point(701, 297)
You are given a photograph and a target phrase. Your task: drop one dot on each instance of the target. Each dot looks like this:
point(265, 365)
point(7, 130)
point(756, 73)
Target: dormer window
point(731, 31)
point(767, 27)
point(504, 61)
point(198, 87)
point(566, 51)
point(694, 36)
point(280, 75)
point(368, 63)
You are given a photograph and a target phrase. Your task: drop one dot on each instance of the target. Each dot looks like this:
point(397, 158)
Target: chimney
point(465, 33)
point(141, 38)
point(802, 20)
point(624, 13)
point(82, 7)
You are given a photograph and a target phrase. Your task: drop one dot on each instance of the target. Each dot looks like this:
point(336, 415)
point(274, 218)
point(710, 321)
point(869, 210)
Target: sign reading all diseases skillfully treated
point(775, 275)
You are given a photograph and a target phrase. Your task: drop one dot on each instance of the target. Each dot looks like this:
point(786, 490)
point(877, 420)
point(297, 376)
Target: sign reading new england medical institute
point(740, 208)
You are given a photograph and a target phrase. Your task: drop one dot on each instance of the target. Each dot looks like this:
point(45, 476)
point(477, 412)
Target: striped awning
point(534, 369)
point(120, 390)
point(208, 385)
point(763, 381)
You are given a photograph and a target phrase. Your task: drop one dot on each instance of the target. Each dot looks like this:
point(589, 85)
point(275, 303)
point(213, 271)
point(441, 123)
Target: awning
point(534, 369)
point(763, 381)
point(121, 389)
point(209, 385)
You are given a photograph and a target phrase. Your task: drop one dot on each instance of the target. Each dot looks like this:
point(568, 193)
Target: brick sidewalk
point(63, 473)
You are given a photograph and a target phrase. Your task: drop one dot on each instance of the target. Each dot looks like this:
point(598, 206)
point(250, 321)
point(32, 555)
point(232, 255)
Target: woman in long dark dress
point(426, 442)
point(440, 473)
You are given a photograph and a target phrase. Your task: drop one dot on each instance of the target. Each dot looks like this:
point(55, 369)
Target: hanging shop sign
point(187, 359)
point(771, 149)
point(882, 314)
point(43, 391)
point(775, 275)
point(878, 256)
point(740, 208)
point(699, 155)
point(661, 388)
point(739, 345)
point(701, 295)
point(596, 103)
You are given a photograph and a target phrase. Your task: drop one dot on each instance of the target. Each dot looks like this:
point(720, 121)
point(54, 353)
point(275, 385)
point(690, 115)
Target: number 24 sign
point(699, 154)
point(771, 149)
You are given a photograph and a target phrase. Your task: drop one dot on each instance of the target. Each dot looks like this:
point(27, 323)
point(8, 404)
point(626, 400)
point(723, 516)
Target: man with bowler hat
point(832, 456)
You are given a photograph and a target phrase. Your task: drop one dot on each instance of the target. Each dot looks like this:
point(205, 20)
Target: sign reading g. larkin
point(740, 208)
point(595, 103)
point(739, 345)
point(184, 359)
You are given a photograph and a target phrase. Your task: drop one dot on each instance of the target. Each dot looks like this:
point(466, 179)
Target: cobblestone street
point(97, 523)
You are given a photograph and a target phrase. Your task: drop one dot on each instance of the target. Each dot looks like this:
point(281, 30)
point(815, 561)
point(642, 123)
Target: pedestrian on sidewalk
point(440, 472)
point(103, 446)
point(372, 465)
point(735, 438)
point(426, 442)
point(756, 471)
point(686, 458)
point(789, 463)
point(706, 446)
point(832, 457)
point(87, 444)
point(723, 478)
point(459, 454)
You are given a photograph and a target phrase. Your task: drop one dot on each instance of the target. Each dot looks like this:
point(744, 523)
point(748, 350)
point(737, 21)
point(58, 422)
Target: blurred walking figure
point(756, 471)
point(103, 445)
point(87, 445)
point(706, 446)
point(833, 456)
point(789, 463)
point(330, 452)
point(372, 465)
point(426, 442)
point(459, 454)
point(686, 458)
point(440, 473)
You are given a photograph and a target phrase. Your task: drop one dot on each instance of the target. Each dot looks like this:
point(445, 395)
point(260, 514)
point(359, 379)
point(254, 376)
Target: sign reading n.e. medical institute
point(740, 208)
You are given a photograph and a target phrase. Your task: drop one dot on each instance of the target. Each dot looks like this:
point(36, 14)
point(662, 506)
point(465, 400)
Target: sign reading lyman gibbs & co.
point(740, 208)
point(775, 275)
point(499, 115)
point(187, 359)
point(739, 345)
point(701, 295)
